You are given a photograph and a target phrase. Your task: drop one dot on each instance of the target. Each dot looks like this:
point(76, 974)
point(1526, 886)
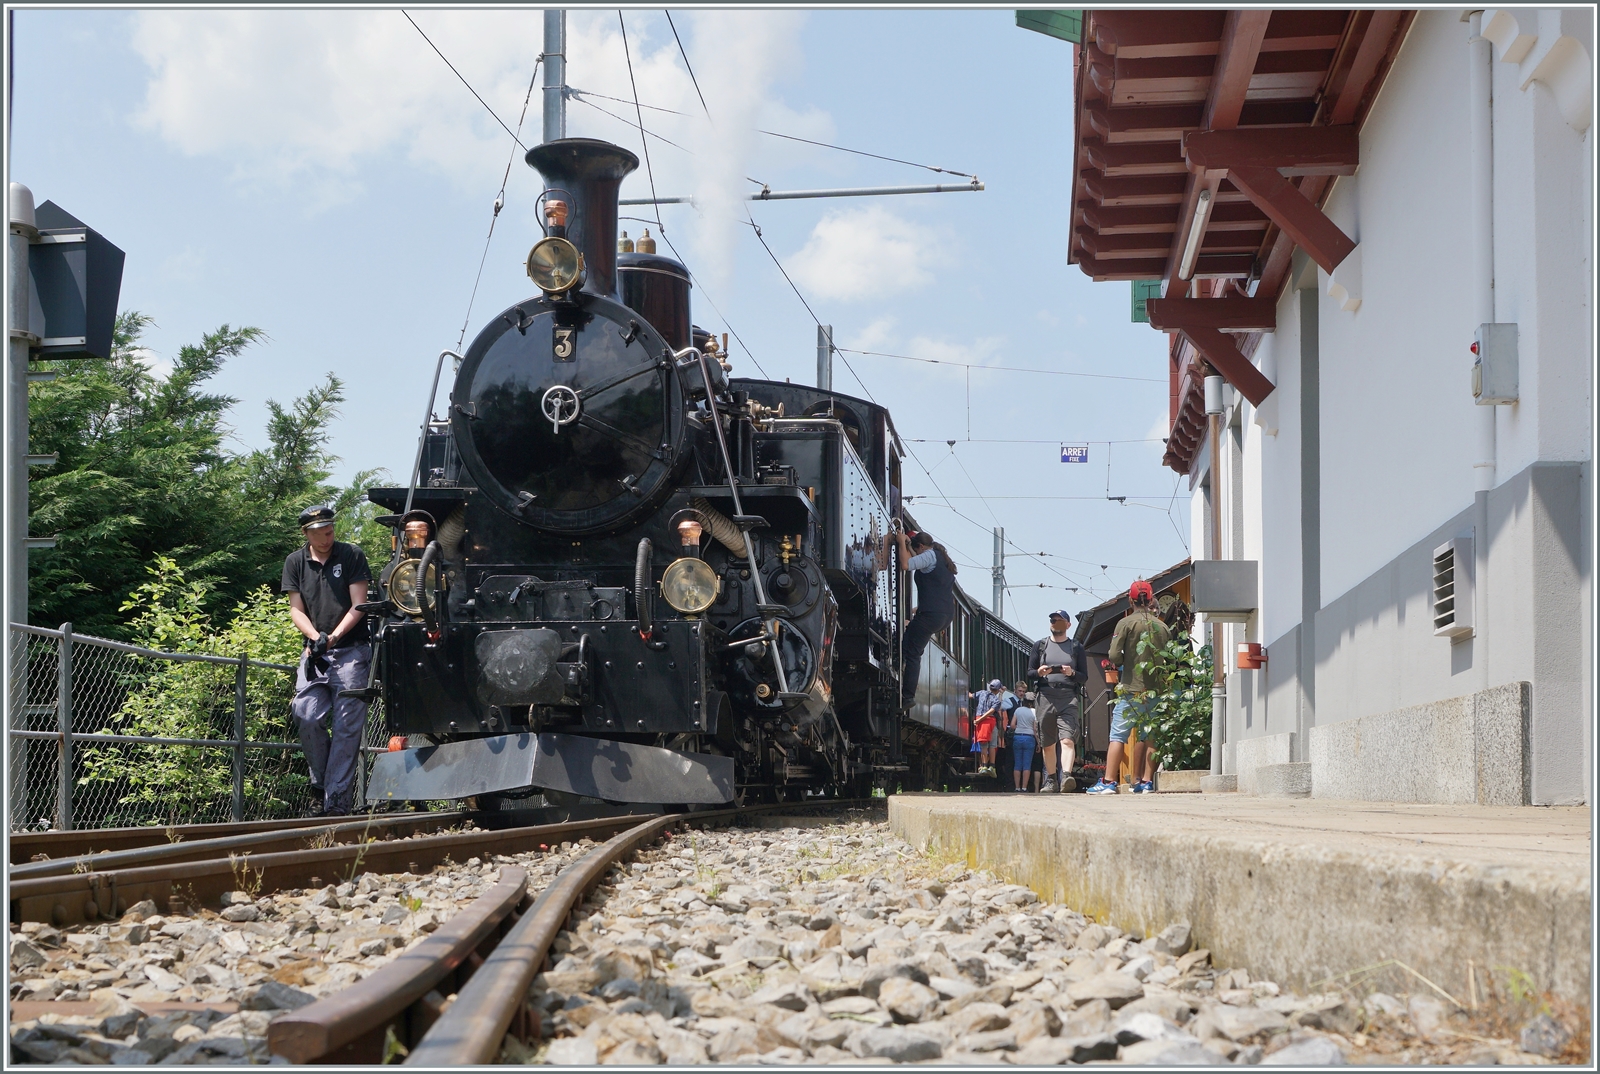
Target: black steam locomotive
point(621, 575)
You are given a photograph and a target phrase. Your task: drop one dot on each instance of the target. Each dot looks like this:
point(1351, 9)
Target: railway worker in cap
point(935, 577)
point(1060, 669)
point(326, 580)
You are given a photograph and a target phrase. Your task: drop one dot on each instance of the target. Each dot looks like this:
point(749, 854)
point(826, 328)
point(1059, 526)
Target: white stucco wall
point(1543, 280)
point(1398, 434)
point(1276, 467)
point(1397, 406)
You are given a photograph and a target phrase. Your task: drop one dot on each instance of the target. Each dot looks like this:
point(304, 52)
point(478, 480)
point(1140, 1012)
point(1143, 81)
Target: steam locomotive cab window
point(568, 424)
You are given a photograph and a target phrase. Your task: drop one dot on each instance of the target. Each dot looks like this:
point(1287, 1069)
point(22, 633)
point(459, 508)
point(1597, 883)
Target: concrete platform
point(1298, 890)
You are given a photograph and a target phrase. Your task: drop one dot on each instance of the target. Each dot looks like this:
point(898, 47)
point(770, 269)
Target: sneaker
point(1068, 784)
point(1050, 786)
point(1103, 787)
point(1144, 787)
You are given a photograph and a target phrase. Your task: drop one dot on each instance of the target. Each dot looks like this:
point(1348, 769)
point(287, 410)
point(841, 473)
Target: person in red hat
point(1141, 624)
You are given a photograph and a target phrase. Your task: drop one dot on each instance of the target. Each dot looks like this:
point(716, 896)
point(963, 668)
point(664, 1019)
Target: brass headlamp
point(554, 263)
point(690, 585)
point(403, 590)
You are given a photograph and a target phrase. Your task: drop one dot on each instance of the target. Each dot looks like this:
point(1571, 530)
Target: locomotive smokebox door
point(566, 427)
point(518, 667)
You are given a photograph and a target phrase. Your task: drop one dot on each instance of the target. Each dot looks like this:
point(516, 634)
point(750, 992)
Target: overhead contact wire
point(499, 203)
point(687, 66)
point(776, 134)
point(464, 82)
point(643, 140)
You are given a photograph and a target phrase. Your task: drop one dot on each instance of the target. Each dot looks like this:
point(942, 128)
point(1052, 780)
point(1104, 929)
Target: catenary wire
point(583, 99)
point(687, 66)
point(645, 135)
point(643, 141)
point(695, 280)
point(464, 82)
point(1006, 368)
point(499, 203)
point(1181, 539)
point(840, 351)
point(775, 134)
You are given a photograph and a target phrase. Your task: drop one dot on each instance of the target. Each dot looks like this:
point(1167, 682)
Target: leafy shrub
point(1178, 723)
point(167, 699)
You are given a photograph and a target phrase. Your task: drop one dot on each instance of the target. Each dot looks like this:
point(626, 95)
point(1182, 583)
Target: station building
point(1376, 228)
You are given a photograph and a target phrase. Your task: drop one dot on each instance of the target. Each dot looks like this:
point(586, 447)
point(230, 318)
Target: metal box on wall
point(1494, 372)
point(1225, 589)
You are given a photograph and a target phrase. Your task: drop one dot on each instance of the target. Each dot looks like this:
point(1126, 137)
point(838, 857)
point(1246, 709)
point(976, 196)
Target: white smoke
point(738, 55)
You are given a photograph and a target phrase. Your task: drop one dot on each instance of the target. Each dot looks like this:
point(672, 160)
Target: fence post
point(238, 738)
point(64, 726)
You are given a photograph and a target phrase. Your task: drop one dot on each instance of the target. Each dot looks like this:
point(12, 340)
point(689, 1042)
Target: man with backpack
point(1060, 668)
point(1139, 640)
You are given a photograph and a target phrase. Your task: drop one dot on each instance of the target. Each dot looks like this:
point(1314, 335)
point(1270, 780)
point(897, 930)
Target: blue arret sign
point(1074, 454)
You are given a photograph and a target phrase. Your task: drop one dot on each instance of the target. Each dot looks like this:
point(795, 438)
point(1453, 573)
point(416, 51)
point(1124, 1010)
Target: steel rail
point(404, 996)
point(254, 843)
point(26, 845)
point(87, 897)
point(495, 1001)
point(470, 1032)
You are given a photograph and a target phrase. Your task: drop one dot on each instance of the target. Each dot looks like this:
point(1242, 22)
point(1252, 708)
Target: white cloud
point(309, 98)
point(865, 254)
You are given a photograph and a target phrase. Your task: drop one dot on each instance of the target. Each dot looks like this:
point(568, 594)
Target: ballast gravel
point(835, 943)
point(840, 944)
point(266, 953)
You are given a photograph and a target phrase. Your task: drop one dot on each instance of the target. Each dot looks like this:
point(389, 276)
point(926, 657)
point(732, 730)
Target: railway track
point(29, 846)
point(487, 955)
point(89, 888)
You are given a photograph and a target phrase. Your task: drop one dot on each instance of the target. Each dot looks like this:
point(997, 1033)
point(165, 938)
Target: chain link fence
point(104, 734)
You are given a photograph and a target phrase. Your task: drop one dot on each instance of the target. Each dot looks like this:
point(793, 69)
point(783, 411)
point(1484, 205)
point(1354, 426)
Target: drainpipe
point(1480, 84)
point(1219, 687)
point(1481, 106)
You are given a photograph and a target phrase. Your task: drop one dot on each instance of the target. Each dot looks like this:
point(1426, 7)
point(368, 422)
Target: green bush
point(172, 784)
point(1178, 723)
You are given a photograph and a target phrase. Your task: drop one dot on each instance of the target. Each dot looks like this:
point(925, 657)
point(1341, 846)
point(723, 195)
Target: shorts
point(986, 730)
point(1058, 717)
point(1121, 726)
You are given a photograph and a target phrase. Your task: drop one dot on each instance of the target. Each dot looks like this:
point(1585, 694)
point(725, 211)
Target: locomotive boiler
point(621, 574)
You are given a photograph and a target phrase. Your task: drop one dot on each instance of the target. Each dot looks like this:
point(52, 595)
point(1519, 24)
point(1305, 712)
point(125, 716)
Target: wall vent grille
point(1452, 588)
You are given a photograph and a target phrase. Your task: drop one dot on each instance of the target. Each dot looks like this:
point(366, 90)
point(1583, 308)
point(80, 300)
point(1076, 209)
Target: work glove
point(320, 646)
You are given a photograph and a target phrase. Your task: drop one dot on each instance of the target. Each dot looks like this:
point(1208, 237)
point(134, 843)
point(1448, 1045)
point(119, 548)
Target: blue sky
point(324, 176)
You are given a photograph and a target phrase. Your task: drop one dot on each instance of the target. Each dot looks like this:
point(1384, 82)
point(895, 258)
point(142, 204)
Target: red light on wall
point(1252, 654)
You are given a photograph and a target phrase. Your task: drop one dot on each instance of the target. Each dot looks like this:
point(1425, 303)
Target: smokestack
point(591, 173)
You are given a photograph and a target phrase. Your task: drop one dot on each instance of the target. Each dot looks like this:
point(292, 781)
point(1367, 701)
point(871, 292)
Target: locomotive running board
point(593, 767)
